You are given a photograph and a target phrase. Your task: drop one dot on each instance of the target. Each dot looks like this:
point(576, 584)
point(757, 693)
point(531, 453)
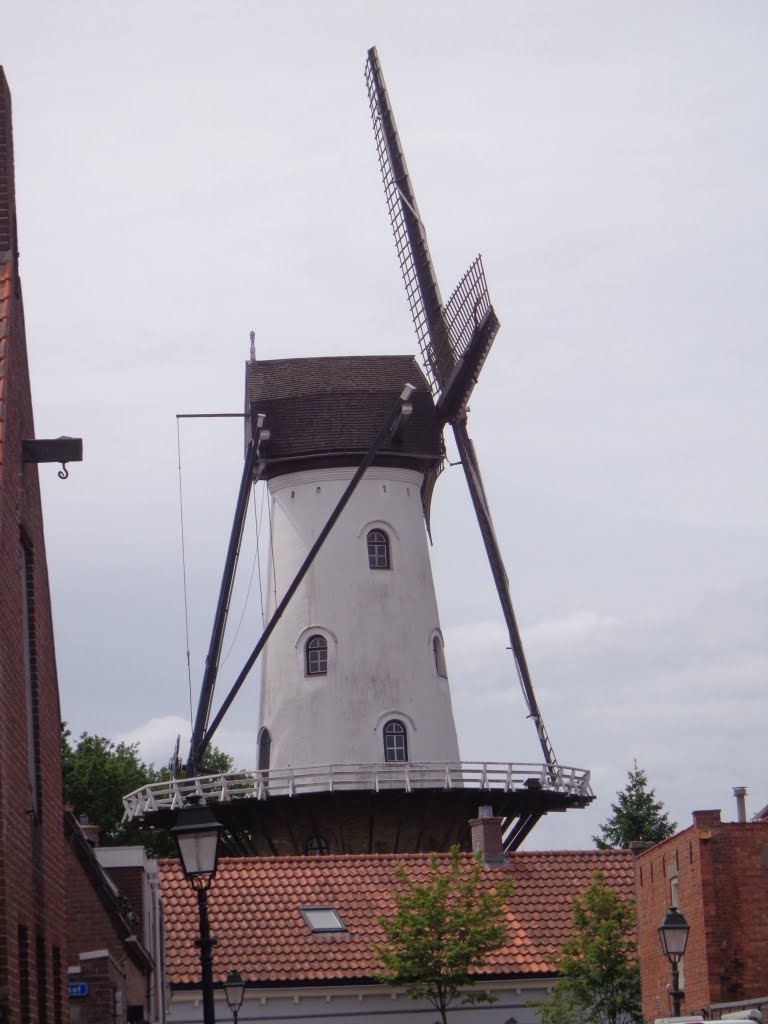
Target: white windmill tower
point(354, 672)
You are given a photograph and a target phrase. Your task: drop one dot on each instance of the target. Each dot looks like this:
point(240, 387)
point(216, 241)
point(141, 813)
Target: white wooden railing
point(328, 778)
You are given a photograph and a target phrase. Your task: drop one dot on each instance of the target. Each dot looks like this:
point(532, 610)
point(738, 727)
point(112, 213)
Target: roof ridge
point(345, 857)
point(368, 858)
point(315, 359)
point(579, 853)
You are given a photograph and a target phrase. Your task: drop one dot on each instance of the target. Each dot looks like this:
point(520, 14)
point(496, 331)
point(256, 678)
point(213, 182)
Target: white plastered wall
point(379, 625)
point(366, 1004)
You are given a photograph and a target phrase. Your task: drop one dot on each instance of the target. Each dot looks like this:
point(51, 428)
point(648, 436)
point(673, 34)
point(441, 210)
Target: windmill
point(454, 339)
point(357, 746)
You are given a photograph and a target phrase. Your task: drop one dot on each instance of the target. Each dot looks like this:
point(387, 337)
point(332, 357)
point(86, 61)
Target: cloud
point(574, 628)
point(680, 687)
point(157, 739)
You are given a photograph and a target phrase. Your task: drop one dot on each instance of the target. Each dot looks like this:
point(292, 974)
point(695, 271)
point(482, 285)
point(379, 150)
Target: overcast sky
point(187, 172)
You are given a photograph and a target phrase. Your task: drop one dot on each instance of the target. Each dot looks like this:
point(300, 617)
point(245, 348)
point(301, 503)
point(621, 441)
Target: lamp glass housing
point(197, 837)
point(673, 934)
point(234, 988)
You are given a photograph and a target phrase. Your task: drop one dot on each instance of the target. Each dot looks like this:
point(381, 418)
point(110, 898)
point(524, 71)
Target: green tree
point(636, 815)
point(96, 775)
point(441, 930)
point(600, 972)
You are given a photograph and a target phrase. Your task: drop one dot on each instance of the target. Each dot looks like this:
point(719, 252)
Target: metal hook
point(63, 472)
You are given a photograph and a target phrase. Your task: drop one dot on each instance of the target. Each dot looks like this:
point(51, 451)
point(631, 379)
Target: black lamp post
point(197, 836)
point(234, 988)
point(673, 936)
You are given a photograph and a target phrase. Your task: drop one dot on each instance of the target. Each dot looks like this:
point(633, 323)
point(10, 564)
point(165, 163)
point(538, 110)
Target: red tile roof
point(254, 912)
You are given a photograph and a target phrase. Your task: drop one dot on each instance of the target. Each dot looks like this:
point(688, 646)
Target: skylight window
point(322, 919)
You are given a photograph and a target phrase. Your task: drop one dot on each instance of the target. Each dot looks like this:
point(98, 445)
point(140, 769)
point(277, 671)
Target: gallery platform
point(403, 807)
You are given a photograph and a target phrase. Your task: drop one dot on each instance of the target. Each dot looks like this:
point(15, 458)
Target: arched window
point(265, 749)
point(395, 741)
point(378, 550)
point(317, 846)
point(316, 656)
point(437, 648)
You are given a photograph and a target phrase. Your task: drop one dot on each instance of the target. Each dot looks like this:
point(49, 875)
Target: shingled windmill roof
point(331, 408)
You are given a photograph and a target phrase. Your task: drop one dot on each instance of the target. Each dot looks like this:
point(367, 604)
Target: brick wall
point(101, 948)
point(99, 972)
point(31, 840)
point(721, 871)
point(736, 858)
point(131, 881)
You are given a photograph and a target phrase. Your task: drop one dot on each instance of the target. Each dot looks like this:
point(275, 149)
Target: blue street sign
point(78, 988)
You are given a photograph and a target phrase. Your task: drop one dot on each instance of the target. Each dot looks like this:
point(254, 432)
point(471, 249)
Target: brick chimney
point(706, 819)
point(486, 837)
point(639, 845)
point(91, 832)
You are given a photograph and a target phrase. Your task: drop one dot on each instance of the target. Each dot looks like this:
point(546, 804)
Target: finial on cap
point(253, 346)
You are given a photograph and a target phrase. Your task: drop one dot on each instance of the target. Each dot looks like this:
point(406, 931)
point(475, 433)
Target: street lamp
point(673, 936)
point(234, 988)
point(197, 836)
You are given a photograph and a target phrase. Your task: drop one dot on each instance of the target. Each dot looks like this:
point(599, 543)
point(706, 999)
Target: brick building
point(32, 922)
point(114, 923)
point(716, 873)
point(61, 915)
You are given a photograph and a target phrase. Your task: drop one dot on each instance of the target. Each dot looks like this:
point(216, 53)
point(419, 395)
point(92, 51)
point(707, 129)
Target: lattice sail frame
point(467, 307)
point(434, 338)
point(444, 332)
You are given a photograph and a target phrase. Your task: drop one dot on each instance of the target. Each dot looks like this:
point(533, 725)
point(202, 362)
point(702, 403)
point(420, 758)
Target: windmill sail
point(410, 234)
point(500, 578)
point(454, 341)
point(472, 325)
